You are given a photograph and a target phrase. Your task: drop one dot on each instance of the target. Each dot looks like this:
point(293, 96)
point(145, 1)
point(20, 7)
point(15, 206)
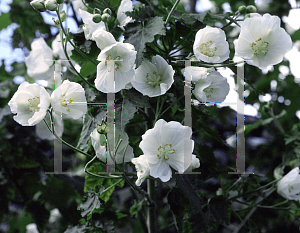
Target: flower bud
point(56, 22)
point(107, 11)
point(38, 5)
point(97, 18)
point(63, 16)
point(105, 17)
point(242, 9)
point(102, 129)
point(251, 9)
point(51, 5)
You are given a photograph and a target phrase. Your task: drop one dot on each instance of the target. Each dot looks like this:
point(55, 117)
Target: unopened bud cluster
point(43, 5)
point(105, 16)
point(247, 9)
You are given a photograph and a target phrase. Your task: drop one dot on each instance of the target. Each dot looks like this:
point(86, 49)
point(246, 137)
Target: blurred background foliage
point(29, 196)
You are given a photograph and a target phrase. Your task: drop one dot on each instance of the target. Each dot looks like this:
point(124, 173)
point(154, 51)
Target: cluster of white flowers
point(31, 102)
point(262, 42)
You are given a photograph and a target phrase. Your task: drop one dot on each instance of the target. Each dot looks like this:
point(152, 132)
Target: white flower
point(36, 62)
point(214, 88)
point(89, 26)
point(197, 73)
point(126, 5)
point(289, 185)
point(30, 102)
point(153, 79)
point(72, 99)
point(195, 162)
point(210, 45)
point(167, 144)
point(142, 168)
point(112, 50)
point(58, 49)
point(99, 144)
point(262, 42)
point(78, 4)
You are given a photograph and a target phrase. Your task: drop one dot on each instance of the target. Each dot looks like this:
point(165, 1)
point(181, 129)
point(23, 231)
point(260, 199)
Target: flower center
point(208, 92)
point(260, 47)
point(65, 101)
point(290, 188)
point(165, 151)
point(153, 80)
point(33, 104)
point(118, 58)
point(207, 50)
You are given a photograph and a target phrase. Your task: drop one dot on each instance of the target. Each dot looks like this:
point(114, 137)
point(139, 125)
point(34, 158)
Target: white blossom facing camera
point(89, 26)
point(39, 61)
point(153, 79)
point(289, 186)
point(142, 168)
point(126, 5)
point(123, 55)
point(214, 88)
point(167, 145)
point(210, 45)
point(262, 42)
point(99, 145)
point(72, 99)
point(30, 103)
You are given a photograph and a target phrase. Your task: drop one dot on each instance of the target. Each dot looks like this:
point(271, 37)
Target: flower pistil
point(33, 104)
point(260, 47)
point(165, 151)
point(207, 50)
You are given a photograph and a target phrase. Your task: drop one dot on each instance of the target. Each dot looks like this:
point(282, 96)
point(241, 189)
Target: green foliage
point(29, 21)
point(136, 207)
point(91, 203)
point(4, 20)
point(138, 34)
point(124, 113)
point(92, 182)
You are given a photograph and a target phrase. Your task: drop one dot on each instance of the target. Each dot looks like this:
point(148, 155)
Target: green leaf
point(120, 215)
point(137, 98)
point(124, 113)
point(93, 181)
point(87, 69)
point(138, 34)
point(136, 207)
point(4, 20)
point(92, 202)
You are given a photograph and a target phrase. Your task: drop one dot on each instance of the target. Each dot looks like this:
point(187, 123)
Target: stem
point(276, 121)
point(262, 187)
point(151, 208)
point(160, 114)
point(68, 58)
point(67, 144)
point(180, 42)
point(220, 65)
point(92, 174)
point(171, 12)
point(78, 50)
point(251, 212)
